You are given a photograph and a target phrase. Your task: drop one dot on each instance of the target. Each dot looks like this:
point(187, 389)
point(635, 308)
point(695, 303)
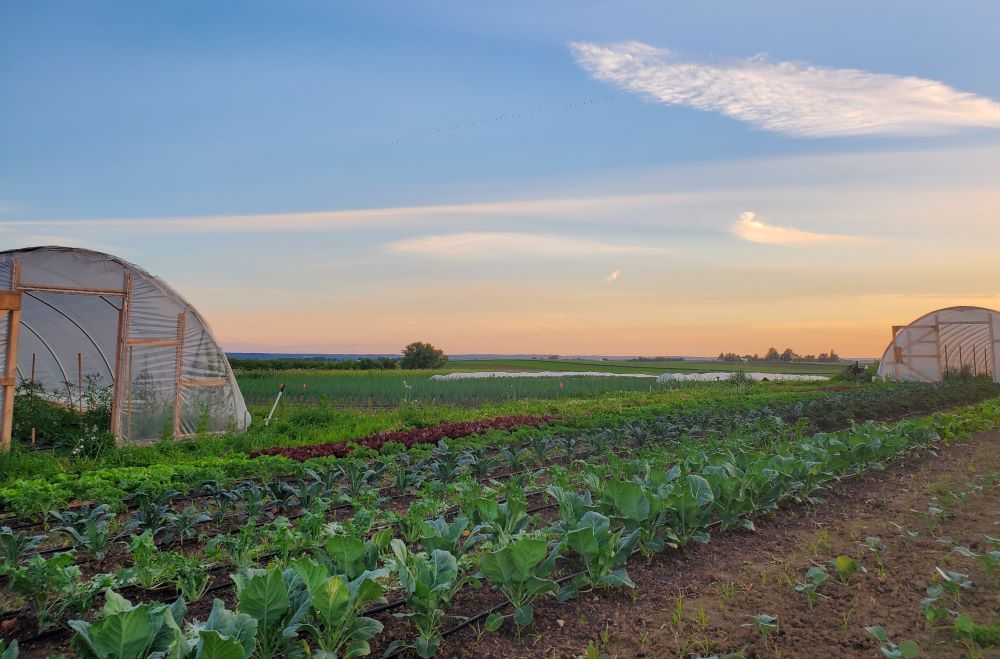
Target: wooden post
point(179, 375)
point(7, 422)
point(946, 358)
point(119, 375)
point(961, 359)
point(12, 303)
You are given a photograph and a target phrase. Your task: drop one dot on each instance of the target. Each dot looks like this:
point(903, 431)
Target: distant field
point(654, 368)
point(390, 388)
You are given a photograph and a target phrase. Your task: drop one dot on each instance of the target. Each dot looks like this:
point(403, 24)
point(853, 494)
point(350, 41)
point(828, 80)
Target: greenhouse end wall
point(88, 314)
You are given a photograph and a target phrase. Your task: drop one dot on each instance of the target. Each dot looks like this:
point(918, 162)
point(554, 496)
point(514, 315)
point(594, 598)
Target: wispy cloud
point(613, 277)
point(790, 97)
point(440, 214)
point(500, 245)
point(749, 228)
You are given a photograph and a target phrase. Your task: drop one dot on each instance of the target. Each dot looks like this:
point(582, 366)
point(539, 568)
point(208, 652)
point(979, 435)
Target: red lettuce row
point(407, 438)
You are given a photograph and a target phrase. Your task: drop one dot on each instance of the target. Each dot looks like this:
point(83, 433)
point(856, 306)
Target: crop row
point(407, 438)
point(606, 511)
point(115, 486)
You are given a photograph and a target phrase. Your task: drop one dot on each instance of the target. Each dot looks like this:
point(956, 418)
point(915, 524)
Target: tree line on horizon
point(787, 355)
point(417, 355)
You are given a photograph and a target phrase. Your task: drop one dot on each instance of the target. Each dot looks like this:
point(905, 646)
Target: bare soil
point(698, 602)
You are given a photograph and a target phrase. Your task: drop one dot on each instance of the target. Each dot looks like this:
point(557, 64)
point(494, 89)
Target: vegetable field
point(444, 538)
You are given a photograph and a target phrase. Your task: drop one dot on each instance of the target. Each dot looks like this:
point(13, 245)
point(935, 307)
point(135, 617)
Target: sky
point(577, 177)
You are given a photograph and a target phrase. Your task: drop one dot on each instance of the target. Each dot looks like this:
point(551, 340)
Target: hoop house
point(949, 339)
point(68, 313)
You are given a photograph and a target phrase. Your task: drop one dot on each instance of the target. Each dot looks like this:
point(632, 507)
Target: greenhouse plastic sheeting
point(131, 331)
point(951, 339)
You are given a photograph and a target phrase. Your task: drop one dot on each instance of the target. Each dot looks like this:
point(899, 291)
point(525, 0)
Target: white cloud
point(613, 277)
point(501, 245)
point(790, 97)
point(749, 228)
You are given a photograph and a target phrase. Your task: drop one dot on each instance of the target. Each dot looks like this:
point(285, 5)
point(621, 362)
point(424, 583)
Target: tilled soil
point(699, 601)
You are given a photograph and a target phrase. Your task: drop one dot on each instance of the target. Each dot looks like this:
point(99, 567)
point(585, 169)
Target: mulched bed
point(407, 438)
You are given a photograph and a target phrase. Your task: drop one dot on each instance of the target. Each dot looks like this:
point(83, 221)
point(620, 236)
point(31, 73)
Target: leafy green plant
point(515, 458)
point(816, 576)
point(224, 635)
point(972, 633)
point(14, 545)
point(429, 584)
point(689, 505)
point(520, 570)
point(929, 604)
point(765, 624)
point(405, 475)
point(480, 461)
point(88, 529)
point(36, 497)
point(572, 506)
point(353, 557)
point(904, 650)
point(9, 651)
point(191, 578)
point(184, 525)
point(52, 587)
point(279, 602)
point(454, 537)
point(225, 499)
point(337, 602)
point(604, 553)
point(152, 568)
point(127, 631)
point(954, 583)
point(500, 522)
point(152, 513)
point(243, 548)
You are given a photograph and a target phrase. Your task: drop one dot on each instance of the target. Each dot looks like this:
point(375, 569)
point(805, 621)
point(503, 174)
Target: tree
point(788, 355)
point(772, 355)
point(422, 355)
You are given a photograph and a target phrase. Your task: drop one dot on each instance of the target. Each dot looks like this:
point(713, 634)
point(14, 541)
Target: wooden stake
point(179, 372)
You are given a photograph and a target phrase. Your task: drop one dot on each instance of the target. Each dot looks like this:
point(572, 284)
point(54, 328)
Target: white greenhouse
point(950, 339)
point(68, 313)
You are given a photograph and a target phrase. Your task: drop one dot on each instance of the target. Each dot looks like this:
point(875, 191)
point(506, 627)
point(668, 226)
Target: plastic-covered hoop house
point(66, 313)
point(950, 339)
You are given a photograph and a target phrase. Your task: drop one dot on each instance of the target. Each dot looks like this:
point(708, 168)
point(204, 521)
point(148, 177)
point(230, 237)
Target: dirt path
point(698, 602)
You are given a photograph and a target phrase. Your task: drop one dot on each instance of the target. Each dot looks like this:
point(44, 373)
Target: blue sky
point(795, 173)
